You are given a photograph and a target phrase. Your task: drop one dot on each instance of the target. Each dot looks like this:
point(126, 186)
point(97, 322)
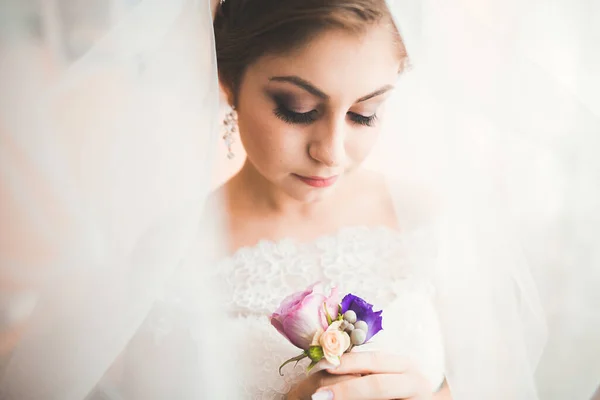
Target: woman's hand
point(305, 389)
point(375, 376)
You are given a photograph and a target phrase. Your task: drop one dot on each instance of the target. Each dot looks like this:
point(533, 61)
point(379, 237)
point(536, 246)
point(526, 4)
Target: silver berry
point(362, 325)
point(358, 337)
point(350, 316)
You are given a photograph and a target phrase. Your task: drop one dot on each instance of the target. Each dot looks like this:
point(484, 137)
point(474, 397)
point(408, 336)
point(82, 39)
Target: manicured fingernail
point(323, 395)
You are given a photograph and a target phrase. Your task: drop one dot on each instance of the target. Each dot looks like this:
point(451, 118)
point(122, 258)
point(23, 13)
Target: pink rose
point(334, 342)
point(301, 315)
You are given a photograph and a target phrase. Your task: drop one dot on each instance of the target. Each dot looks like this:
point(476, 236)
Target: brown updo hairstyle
point(246, 30)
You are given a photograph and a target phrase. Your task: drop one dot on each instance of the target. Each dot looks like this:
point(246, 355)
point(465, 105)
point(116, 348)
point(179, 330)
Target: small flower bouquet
point(323, 327)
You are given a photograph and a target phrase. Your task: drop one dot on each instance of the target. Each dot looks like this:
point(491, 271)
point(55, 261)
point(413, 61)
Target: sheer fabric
point(109, 118)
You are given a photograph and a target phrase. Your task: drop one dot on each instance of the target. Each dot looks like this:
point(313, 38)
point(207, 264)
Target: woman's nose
point(329, 146)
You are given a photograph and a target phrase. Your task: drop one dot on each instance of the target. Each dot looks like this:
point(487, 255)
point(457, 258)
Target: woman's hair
point(246, 30)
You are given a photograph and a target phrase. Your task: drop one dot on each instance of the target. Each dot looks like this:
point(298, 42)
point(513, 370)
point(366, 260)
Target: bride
point(309, 81)
point(308, 84)
point(364, 166)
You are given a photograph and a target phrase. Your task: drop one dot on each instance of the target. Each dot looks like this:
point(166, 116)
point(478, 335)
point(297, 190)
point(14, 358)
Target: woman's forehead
point(337, 62)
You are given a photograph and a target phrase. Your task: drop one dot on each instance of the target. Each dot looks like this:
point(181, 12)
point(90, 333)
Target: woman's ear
point(227, 92)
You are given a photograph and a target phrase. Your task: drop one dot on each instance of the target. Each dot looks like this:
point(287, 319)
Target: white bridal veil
point(109, 146)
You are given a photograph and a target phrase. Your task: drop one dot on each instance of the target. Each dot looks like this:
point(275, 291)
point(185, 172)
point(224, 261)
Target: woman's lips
point(317, 181)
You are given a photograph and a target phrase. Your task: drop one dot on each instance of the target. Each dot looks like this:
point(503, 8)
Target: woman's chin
point(308, 194)
point(314, 195)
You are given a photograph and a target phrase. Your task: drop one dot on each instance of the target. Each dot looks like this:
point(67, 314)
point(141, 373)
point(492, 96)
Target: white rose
point(334, 343)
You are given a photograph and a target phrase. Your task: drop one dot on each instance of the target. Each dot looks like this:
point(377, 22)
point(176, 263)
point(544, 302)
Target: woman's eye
point(307, 118)
point(362, 119)
point(292, 117)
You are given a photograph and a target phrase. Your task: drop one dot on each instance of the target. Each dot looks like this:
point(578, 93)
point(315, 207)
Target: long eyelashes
point(363, 120)
point(291, 117)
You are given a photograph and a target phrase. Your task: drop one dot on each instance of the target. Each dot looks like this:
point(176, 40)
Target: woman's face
point(308, 118)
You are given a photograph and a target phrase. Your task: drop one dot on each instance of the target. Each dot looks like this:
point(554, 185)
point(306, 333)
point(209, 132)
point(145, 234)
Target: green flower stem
point(311, 366)
point(297, 359)
point(329, 319)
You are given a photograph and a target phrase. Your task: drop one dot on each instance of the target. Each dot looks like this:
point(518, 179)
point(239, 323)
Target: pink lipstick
point(317, 181)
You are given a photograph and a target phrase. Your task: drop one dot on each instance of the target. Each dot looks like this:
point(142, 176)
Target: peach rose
point(334, 343)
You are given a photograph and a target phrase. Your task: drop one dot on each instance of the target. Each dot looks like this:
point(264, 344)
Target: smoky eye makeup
point(360, 119)
point(365, 115)
point(291, 110)
point(292, 102)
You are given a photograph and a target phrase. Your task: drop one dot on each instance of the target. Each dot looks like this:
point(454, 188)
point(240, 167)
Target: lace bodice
point(369, 262)
point(379, 264)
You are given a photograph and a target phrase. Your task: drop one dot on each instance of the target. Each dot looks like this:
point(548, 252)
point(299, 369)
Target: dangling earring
point(230, 131)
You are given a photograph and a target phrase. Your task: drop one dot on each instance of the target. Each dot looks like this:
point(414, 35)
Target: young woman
point(309, 81)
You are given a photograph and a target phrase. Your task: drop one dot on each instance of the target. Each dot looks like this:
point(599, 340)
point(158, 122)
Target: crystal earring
point(230, 131)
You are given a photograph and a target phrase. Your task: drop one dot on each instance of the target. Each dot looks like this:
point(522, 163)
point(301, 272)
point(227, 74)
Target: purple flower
point(364, 312)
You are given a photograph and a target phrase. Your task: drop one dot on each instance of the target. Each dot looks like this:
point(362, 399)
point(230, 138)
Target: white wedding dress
point(367, 261)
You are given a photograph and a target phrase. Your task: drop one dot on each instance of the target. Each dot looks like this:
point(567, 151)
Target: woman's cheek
point(360, 147)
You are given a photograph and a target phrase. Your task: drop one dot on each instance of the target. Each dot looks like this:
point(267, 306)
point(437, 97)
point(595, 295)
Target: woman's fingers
point(318, 380)
point(382, 376)
point(364, 363)
point(322, 365)
point(326, 379)
point(376, 387)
